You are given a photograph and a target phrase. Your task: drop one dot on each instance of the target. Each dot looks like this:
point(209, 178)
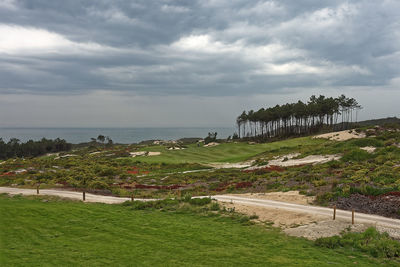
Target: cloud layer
point(197, 49)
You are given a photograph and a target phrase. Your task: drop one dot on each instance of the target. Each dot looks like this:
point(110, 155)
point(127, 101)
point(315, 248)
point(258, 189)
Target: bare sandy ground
point(341, 136)
point(238, 165)
point(211, 144)
point(144, 153)
point(289, 197)
point(279, 218)
point(369, 149)
point(304, 220)
point(288, 161)
point(326, 228)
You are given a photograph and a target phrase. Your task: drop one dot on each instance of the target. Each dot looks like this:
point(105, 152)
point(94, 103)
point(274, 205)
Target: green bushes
point(356, 155)
point(363, 142)
point(371, 242)
point(370, 190)
point(198, 201)
point(166, 204)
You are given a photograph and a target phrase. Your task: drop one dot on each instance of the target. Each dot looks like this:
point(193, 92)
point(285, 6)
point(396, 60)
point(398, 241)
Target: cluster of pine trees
point(14, 148)
point(299, 118)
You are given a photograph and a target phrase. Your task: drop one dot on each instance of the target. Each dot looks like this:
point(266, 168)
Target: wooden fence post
point(334, 212)
point(352, 216)
point(37, 190)
point(84, 195)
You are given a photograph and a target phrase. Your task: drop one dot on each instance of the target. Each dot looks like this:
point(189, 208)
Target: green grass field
point(226, 152)
point(63, 233)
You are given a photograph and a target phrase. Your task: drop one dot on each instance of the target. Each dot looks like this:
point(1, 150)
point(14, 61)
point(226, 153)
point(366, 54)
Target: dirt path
point(313, 210)
point(68, 194)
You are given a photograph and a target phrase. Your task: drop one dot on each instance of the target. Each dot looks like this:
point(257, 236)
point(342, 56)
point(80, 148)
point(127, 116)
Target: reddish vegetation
point(396, 194)
point(145, 186)
point(239, 185)
point(8, 174)
point(136, 170)
point(243, 185)
point(267, 169)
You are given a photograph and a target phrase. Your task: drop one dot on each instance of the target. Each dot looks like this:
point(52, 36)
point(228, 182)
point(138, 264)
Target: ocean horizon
point(77, 135)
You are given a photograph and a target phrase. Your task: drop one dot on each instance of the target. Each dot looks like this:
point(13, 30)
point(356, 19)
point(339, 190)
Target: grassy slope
point(33, 233)
point(228, 152)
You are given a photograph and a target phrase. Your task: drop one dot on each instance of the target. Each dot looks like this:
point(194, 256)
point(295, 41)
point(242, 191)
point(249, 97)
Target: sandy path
point(313, 210)
point(68, 194)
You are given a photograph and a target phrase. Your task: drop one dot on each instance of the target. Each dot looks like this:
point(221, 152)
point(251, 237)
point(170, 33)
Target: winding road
point(315, 210)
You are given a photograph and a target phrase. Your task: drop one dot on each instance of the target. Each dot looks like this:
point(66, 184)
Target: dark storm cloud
point(214, 47)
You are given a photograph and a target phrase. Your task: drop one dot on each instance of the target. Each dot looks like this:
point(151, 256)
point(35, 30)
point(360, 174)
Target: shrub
point(356, 155)
point(370, 241)
point(367, 142)
point(324, 198)
point(200, 201)
point(215, 206)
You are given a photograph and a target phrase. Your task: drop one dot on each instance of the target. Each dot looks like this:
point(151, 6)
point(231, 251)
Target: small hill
point(380, 122)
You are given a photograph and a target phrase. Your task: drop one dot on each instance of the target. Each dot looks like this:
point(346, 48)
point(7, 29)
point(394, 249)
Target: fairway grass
point(66, 233)
point(225, 152)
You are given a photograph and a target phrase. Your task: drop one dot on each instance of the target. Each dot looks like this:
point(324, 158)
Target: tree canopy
point(14, 147)
point(298, 118)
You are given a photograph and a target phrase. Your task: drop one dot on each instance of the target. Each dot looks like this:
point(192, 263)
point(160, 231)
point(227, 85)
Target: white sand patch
point(66, 156)
point(139, 153)
point(144, 153)
point(342, 135)
point(369, 149)
point(212, 144)
point(51, 154)
point(155, 153)
point(176, 148)
point(20, 171)
point(288, 161)
point(238, 165)
point(95, 153)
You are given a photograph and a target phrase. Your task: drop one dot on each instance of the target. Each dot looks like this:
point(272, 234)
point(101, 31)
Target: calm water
point(119, 135)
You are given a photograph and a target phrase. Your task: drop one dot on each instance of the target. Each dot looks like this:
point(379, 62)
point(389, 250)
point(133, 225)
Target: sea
point(118, 135)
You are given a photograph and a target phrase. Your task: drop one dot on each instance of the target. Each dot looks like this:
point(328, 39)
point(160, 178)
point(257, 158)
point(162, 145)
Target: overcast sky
point(127, 63)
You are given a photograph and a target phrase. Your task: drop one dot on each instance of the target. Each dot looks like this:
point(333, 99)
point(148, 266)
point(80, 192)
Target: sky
point(144, 63)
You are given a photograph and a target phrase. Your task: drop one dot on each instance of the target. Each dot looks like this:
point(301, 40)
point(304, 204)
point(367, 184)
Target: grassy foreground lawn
point(60, 233)
point(226, 152)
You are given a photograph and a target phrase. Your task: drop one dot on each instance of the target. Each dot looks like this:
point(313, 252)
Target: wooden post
point(133, 197)
point(352, 216)
point(334, 212)
point(84, 195)
point(37, 190)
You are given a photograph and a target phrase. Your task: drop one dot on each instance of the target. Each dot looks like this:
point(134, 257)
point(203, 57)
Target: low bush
point(199, 201)
point(363, 142)
point(356, 155)
point(370, 190)
point(379, 245)
point(166, 204)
